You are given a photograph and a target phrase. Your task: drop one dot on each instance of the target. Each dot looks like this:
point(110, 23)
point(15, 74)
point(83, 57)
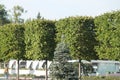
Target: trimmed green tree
point(39, 39)
point(12, 43)
point(79, 35)
point(108, 35)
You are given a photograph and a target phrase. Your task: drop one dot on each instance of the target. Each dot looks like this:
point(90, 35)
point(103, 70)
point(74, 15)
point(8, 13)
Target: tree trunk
point(46, 76)
point(79, 76)
point(18, 69)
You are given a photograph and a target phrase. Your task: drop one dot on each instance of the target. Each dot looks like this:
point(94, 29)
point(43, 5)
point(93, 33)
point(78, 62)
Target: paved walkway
point(23, 78)
point(14, 78)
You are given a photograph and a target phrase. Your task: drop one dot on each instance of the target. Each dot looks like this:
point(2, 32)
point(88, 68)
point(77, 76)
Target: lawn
point(101, 78)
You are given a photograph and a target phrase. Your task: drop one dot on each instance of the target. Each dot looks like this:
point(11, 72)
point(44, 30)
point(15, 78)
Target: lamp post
point(46, 72)
point(79, 76)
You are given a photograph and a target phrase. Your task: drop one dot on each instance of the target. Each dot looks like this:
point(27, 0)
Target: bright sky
point(57, 9)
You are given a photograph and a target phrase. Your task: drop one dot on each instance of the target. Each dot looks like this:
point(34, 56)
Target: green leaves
point(35, 38)
point(33, 41)
point(12, 42)
point(39, 39)
point(60, 68)
point(79, 35)
point(107, 31)
point(16, 14)
point(3, 15)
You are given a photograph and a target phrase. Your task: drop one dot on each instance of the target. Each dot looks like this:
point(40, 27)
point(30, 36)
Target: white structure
point(103, 67)
point(34, 67)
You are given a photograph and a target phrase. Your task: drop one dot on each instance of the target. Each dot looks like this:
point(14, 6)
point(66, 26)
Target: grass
point(101, 78)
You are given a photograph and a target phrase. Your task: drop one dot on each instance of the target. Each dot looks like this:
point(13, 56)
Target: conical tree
point(61, 69)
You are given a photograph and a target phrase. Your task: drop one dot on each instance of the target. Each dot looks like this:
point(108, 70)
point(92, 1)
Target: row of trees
point(86, 37)
point(33, 40)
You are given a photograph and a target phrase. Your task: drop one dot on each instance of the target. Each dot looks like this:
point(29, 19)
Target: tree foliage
point(79, 35)
point(61, 69)
point(12, 44)
point(108, 35)
point(3, 15)
point(39, 39)
point(39, 16)
point(16, 14)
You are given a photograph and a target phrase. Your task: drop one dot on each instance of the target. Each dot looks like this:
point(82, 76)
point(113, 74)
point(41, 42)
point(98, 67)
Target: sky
point(57, 9)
